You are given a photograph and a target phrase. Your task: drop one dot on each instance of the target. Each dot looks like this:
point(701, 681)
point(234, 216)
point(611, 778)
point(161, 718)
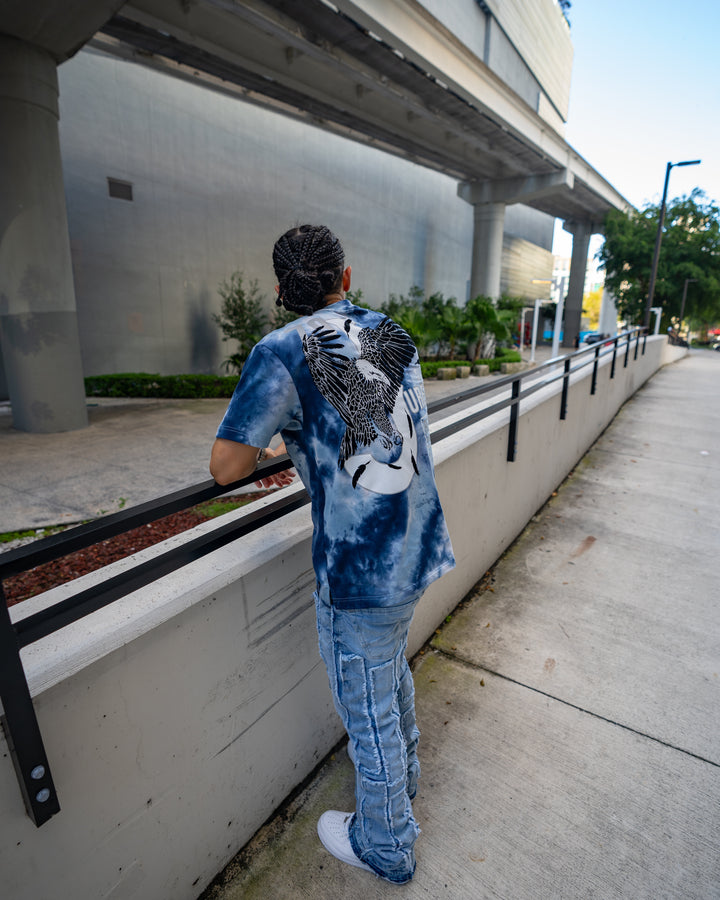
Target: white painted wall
point(179, 718)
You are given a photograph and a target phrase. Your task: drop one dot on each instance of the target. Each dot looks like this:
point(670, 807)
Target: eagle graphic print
point(360, 371)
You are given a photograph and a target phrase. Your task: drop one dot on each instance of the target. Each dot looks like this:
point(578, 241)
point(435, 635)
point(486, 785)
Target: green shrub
point(183, 387)
point(144, 384)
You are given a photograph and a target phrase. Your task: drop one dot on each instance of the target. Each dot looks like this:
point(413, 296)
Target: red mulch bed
point(49, 575)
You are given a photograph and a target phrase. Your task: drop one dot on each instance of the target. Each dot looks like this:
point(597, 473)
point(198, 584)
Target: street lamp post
point(658, 236)
point(536, 317)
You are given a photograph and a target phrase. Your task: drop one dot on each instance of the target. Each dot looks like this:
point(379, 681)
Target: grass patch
point(209, 509)
point(8, 536)
point(213, 508)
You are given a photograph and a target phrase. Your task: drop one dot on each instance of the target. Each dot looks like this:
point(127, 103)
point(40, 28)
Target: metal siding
point(542, 37)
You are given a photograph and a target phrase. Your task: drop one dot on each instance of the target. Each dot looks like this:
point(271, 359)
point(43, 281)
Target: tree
point(242, 318)
point(592, 304)
point(690, 250)
point(281, 317)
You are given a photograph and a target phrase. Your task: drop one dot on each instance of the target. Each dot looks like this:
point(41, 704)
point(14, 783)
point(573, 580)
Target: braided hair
point(308, 262)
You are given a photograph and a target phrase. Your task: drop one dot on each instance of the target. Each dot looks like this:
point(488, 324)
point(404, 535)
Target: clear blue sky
point(645, 92)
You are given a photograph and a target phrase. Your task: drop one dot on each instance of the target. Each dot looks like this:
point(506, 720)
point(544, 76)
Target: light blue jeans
point(372, 686)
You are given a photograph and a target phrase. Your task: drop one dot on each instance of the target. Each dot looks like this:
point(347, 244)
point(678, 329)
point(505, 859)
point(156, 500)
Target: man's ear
point(346, 278)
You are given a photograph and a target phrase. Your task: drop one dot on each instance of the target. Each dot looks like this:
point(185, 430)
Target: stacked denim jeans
point(372, 686)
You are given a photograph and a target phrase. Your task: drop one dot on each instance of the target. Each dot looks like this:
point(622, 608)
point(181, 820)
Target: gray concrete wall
point(177, 719)
point(215, 181)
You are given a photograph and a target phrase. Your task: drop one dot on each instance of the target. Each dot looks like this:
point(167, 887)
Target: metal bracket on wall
point(21, 727)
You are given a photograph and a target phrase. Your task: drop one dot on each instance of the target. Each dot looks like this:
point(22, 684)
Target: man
point(343, 386)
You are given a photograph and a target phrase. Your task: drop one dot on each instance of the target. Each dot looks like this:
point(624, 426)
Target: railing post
point(627, 350)
point(637, 343)
point(612, 367)
point(21, 727)
point(514, 411)
point(566, 381)
point(593, 386)
point(645, 334)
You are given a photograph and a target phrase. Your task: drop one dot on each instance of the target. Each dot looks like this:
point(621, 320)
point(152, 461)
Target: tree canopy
point(690, 250)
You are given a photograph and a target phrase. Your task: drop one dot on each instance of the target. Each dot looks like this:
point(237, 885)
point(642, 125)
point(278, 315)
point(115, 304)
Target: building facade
point(427, 135)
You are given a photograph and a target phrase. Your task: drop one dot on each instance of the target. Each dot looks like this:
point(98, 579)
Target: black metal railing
point(19, 720)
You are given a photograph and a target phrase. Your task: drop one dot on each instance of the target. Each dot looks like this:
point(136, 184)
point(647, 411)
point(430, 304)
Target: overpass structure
point(460, 88)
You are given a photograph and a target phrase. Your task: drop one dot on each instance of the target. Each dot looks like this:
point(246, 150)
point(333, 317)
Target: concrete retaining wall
point(179, 718)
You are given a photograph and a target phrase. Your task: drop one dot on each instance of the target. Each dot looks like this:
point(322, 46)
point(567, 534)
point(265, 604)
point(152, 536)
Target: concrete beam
point(464, 120)
point(516, 190)
point(576, 227)
point(60, 29)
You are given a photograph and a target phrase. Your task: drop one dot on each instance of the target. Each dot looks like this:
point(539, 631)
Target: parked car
point(595, 337)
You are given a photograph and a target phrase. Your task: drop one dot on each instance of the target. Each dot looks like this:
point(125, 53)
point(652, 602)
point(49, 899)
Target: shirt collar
point(340, 306)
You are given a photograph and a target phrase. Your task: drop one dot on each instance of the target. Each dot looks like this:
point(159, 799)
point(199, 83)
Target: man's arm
point(231, 461)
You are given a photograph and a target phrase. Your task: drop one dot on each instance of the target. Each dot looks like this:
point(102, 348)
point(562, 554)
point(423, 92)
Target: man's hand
point(282, 478)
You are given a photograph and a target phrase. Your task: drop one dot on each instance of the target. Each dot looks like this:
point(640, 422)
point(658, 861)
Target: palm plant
point(456, 325)
point(487, 327)
point(422, 329)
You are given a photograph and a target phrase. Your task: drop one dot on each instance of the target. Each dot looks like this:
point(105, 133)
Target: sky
point(645, 91)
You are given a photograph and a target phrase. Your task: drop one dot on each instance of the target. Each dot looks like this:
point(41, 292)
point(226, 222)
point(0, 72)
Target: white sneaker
point(332, 829)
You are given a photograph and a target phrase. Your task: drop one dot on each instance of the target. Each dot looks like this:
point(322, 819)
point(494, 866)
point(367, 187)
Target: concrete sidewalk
point(570, 709)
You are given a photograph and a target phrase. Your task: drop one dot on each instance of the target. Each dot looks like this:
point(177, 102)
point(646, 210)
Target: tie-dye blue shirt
point(344, 389)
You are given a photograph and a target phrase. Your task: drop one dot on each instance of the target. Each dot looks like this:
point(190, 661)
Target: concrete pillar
point(608, 313)
point(489, 199)
point(39, 341)
point(581, 232)
point(4, 395)
point(488, 222)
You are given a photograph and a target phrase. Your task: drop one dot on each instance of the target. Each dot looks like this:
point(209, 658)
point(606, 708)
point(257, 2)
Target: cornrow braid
point(308, 262)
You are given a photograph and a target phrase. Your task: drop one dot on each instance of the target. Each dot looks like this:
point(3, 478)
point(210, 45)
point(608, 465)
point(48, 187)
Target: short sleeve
point(264, 402)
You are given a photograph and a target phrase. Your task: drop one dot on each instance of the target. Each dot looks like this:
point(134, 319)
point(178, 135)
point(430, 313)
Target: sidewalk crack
point(581, 709)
